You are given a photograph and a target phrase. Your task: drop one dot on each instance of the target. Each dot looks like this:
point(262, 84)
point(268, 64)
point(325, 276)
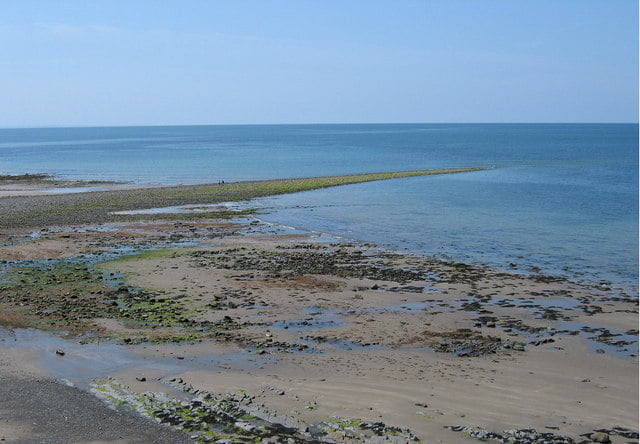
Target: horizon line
point(312, 124)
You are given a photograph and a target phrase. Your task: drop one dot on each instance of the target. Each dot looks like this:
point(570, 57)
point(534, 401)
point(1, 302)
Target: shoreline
point(307, 338)
point(629, 291)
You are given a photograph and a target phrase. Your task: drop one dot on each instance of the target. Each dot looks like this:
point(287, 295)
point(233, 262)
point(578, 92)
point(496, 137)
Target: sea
point(560, 199)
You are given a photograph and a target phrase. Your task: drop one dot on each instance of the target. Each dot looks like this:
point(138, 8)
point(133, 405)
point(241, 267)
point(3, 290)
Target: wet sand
point(296, 337)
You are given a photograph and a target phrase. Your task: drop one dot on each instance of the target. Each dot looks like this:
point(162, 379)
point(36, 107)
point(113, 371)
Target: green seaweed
point(156, 253)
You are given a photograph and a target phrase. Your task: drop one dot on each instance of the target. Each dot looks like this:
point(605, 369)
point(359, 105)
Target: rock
point(600, 437)
point(60, 352)
point(244, 426)
point(141, 378)
point(622, 431)
point(542, 341)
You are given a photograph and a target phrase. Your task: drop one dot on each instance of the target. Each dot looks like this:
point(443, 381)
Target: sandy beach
point(206, 329)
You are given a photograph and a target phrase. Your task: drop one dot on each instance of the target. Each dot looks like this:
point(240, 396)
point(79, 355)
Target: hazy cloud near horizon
point(198, 62)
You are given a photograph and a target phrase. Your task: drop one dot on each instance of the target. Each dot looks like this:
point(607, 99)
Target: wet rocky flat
point(260, 334)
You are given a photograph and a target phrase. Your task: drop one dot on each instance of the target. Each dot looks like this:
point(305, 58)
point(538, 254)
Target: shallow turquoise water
point(563, 198)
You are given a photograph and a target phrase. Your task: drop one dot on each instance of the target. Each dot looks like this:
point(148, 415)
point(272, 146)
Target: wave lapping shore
point(232, 330)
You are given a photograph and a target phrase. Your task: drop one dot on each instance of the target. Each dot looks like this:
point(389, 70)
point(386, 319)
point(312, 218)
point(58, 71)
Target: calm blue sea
point(559, 197)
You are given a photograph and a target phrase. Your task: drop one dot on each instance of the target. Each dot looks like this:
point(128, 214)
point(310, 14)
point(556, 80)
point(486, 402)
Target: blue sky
point(67, 63)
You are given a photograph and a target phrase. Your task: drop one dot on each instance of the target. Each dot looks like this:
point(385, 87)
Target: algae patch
point(156, 253)
point(74, 296)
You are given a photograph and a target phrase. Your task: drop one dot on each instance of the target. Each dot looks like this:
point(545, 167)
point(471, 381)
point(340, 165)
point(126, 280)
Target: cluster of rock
point(232, 418)
point(521, 436)
point(342, 262)
point(531, 436)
